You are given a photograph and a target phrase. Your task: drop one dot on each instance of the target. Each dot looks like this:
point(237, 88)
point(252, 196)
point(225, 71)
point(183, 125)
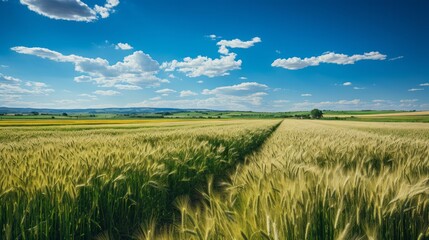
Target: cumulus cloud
point(136, 69)
point(236, 43)
point(123, 46)
point(187, 93)
point(106, 92)
point(107, 9)
point(415, 89)
point(206, 66)
point(72, 10)
point(347, 84)
point(295, 63)
point(306, 95)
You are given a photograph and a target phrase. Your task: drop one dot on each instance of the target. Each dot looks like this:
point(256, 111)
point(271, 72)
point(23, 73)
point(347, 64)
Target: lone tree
point(316, 113)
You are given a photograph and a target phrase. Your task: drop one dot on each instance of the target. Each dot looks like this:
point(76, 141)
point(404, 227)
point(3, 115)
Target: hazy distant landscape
point(210, 120)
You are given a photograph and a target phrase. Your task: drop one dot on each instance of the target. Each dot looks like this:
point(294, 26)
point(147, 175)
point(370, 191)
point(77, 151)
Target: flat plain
point(215, 179)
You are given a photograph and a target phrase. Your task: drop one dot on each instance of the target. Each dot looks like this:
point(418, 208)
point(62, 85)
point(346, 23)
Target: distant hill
point(134, 110)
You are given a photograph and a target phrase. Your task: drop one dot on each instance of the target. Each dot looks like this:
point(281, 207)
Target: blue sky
point(269, 55)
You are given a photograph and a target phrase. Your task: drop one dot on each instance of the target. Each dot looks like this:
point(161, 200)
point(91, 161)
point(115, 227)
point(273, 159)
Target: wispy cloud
point(424, 84)
point(12, 89)
point(165, 91)
point(295, 63)
point(415, 89)
point(408, 100)
point(127, 87)
point(347, 84)
point(9, 78)
point(396, 58)
point(306, 95)
point(107, 92)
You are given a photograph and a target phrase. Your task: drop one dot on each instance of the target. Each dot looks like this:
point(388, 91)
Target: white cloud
point(72, 10)
point(88, 95)
point(239, 89)
point(187, 93)
point(12, 89)
point(123, 46)
point(155, 98)
point(295, 63)
point(236, 43)
point(379, 101)
point(278, 52)
point(408, 100)
point(200, 81)
point(347, 84)
point(4, 66)
point(127, 87)
point(136, 69)
point(107, 9)
point(106, 92)
point(396, 58)
point(306, 95)
point(424, 84)
point(415, 89)
point(213, 36)
point(358, 88)
point(204, 66)
point(229, 102)
point(326, 104)
point(9, 78)
point(165, 91)
point(243, 78)
point(281, 101)
point(171, 76)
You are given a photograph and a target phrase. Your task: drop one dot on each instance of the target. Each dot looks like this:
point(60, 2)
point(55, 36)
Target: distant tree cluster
point(316, 113)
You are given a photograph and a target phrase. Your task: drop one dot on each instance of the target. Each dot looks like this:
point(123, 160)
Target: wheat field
point(237, 179)
point(321, 180)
